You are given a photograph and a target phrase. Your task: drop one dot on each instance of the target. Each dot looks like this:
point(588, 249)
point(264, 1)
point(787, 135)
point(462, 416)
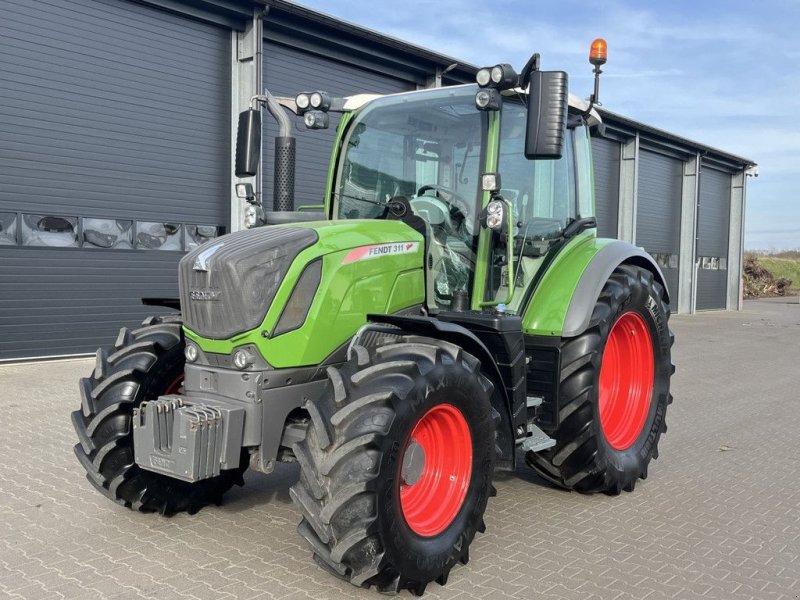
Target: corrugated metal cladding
point(658, 216)
point(288, 71)
point(606, 157)
point(115, 141)
point(713, 221)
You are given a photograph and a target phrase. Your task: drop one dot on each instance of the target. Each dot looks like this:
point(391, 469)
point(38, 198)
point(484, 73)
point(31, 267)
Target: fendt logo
point(205, 294)
point(201, 261)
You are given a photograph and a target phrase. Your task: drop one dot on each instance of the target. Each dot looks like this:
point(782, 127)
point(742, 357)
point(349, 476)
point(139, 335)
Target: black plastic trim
point(173, 303)
point(469, 341)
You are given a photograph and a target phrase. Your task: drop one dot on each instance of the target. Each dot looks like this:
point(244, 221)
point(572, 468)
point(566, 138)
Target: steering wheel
point(458, 206)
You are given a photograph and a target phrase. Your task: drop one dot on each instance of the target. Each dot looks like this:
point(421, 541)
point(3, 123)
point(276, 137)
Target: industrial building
point(116, 152)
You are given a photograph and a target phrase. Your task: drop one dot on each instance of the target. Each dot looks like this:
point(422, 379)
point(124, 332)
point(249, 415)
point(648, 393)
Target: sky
point(723, 73)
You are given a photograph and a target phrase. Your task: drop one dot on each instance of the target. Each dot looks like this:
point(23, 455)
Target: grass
point(788, 268)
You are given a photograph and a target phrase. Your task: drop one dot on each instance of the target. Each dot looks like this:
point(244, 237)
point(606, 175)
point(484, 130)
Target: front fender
point(563, 302)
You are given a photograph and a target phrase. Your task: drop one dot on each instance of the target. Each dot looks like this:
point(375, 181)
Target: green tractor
point(448, 309)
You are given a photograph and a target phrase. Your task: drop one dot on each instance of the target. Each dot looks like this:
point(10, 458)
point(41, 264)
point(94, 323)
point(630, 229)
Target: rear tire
point(614, 390)
point(366, 505)
point(144, 364)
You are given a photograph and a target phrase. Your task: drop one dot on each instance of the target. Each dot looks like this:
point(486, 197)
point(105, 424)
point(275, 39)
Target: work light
point(490, 182)
point(483, 77)
point(316, 119)
point(494, 214)
point(488, 99)
point(302, 101)
point(320, 101)
point(503, 76)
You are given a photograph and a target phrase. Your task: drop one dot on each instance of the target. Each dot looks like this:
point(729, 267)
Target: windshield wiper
point(349, 197)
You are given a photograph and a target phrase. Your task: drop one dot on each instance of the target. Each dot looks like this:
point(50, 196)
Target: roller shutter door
point(606, 156)
point(658, 213)
point(288, 71)
point(114, 147)
point(713, 221)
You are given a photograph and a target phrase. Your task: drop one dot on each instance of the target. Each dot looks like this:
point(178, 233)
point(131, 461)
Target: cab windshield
point(428, 150)
point(400, 145)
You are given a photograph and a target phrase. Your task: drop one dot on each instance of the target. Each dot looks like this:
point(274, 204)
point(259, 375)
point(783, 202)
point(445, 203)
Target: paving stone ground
point(718, 518)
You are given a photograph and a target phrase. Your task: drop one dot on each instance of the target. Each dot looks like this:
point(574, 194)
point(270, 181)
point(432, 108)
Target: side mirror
point(548, 97)
point(248, 143)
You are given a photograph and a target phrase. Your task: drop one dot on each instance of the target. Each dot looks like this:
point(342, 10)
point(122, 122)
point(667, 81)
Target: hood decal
point(379, 250)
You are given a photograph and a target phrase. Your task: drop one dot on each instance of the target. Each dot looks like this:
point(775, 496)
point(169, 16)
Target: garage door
point(114, 158)
point(606, 156)
point(288, 71)
point(658, 215)
point(713, 216)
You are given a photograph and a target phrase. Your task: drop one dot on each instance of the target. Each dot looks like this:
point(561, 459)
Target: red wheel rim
point(626, 381)
point(432, 492)
point(175, 386)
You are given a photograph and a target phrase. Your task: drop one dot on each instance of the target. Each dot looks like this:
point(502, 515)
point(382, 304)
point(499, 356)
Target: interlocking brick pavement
point(719, 517)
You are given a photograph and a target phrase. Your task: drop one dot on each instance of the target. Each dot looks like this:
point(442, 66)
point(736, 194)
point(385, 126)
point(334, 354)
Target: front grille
point(228, 284)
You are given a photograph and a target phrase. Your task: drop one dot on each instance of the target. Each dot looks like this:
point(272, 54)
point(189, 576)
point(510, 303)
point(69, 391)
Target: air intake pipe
point(285, 153)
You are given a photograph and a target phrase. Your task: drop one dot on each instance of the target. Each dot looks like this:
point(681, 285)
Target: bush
point(760, 282)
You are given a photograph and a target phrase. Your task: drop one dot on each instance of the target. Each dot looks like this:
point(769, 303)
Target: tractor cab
point(434, 161)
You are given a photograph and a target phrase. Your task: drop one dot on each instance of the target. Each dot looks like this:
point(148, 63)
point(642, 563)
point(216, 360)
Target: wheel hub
point(436, 470)
point(626, 381)
point(413, 463)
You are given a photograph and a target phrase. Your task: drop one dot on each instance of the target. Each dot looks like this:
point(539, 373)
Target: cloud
point(723, 73)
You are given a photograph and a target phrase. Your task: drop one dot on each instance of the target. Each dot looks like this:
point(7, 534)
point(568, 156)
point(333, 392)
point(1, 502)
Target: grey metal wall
point(713, 220)
point(658, 213)
point(606, 157)
point(288, 71)
point(110, 111)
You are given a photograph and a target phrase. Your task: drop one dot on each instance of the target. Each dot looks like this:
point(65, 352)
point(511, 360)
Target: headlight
point(242, 359)
point(296, 310)
point(191, 352)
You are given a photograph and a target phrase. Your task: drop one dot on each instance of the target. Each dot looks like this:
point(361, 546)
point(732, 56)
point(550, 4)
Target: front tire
point(614, 392)
point(397, 465)
point(144, 364)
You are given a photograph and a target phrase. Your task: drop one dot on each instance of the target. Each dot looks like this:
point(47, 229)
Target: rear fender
point(595, 277)
point(563, 301)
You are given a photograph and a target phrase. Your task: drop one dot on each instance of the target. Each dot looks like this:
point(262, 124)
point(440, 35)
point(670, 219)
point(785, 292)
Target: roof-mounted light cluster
point(491, 81)
point(314, 107)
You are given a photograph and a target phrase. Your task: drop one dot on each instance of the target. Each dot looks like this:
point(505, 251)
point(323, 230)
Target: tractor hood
point(227, 286)
point(235, 289)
